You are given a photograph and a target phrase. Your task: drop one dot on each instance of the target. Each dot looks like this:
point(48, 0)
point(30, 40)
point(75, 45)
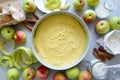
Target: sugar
point(98, 70)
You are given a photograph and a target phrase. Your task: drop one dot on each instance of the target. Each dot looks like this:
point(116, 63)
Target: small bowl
point(64, 67)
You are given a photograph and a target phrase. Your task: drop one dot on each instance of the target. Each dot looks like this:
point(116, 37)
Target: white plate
point(40, 5)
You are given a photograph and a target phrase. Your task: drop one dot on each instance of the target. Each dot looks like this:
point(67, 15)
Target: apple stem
point(118, 22)
point(8, 31)
point(89, 14)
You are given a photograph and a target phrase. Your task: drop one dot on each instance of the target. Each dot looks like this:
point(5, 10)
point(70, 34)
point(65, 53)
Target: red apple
point(28, 74)
point(89, 15)
point(79, 4)
point(20, 36)
point(59, 76)
point(102, 27)
point(42, 72)
point(85, 75)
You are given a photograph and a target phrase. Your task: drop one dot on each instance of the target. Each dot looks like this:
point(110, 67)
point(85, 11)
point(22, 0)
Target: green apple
point(12, 74)
point(102, 27)
point(114, 22)
point(7, 32)
point(85, 75)
point(29, 6)
point(72, 73)
point(79, 4)
point(28, 74)
point(92, 2)
point(89, 15)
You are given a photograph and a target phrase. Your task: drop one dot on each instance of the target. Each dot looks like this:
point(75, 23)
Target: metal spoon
point(113, 66)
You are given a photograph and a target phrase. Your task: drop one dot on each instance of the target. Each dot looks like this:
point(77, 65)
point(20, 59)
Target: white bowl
point(65, 66)
point(41, 6)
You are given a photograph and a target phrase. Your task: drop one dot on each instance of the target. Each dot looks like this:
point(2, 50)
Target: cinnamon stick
point(97, 56)
point(96, 50)
point(27, 26)
point(102, 56)
point(101, 49)
point(31, 20)
point(36, 16)
point(105, 53)
point(108, 56)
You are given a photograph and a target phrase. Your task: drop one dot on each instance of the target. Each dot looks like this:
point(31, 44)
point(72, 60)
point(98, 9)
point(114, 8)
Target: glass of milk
point(104, 9)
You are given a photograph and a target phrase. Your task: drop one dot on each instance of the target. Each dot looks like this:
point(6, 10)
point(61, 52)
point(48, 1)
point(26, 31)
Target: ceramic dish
point(62, 67)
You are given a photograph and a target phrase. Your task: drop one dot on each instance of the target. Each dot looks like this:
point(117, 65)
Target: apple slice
point(65, 6)
point(53, 4)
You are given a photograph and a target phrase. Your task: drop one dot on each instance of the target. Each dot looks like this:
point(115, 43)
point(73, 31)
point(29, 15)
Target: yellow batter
point(60, 39)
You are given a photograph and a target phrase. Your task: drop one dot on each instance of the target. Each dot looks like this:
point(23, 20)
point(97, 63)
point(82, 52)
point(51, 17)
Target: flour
point(113, 42)
point(110, 42)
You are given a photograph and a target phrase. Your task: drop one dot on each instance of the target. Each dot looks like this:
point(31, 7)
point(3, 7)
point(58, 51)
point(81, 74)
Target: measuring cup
point(113, 66)
point(104, 9)
point(97, 68)
point(101, 71)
